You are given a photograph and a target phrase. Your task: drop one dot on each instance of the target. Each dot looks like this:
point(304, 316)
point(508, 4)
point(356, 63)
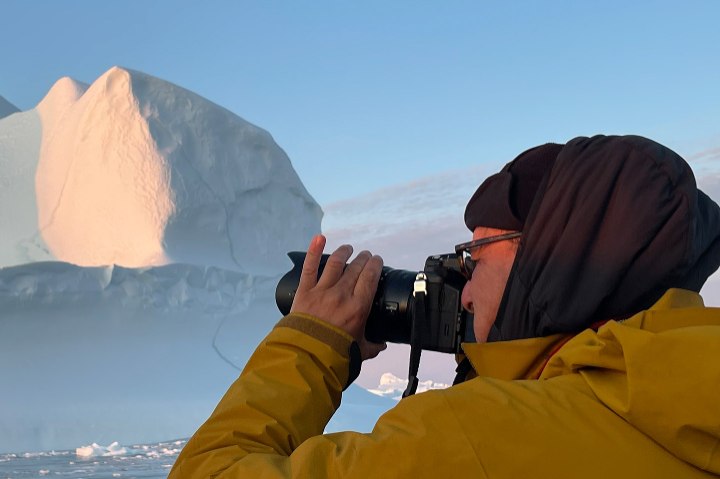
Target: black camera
point(437, 323)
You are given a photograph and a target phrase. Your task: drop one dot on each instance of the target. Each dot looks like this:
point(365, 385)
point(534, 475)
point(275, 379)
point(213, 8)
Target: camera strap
point(418, 321)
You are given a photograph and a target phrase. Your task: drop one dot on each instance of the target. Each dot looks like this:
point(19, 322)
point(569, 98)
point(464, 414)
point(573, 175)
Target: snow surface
point(143, 232)
point(7, 108)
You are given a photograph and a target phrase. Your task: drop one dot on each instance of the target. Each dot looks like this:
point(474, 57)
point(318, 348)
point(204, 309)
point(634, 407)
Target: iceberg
point(135, 171)
point(144, 229)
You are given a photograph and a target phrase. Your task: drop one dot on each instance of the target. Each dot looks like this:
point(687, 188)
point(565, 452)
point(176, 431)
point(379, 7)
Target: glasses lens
point(467, 263)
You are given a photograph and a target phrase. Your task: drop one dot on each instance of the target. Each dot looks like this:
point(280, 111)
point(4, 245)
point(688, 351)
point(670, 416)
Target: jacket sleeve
point(270, 422)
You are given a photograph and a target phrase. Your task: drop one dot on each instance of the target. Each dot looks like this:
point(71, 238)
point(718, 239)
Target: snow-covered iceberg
point(136, 171)
point(143, 231)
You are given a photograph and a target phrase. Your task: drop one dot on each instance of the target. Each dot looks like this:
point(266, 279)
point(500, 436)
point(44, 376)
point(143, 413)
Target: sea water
point(148, 461)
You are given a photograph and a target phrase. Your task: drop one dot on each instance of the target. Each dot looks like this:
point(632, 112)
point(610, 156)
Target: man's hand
point(340, 297)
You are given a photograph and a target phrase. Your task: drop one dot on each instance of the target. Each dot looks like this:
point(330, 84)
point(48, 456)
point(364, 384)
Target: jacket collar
point(527, 358)
point(517, 359)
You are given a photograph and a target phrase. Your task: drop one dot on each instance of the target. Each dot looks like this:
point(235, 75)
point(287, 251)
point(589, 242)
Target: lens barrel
point(391, 313)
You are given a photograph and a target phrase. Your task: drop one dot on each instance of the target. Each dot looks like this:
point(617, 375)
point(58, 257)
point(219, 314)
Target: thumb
point(370, 350)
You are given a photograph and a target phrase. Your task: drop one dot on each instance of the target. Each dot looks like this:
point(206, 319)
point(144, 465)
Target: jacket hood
point(617, 222)
point(659, 371)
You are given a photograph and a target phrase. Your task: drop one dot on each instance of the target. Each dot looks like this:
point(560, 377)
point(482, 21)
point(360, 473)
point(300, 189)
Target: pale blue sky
point(368, 94)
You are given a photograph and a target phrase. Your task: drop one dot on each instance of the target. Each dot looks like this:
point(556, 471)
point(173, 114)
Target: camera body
point(446, 324)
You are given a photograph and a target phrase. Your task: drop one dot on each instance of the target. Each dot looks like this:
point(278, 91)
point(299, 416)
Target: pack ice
point(143, 230)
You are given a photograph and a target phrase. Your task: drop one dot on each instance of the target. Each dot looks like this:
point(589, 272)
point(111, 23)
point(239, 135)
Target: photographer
point(595, 356)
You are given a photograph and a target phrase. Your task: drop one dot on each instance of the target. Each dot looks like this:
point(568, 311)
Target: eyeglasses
point(464, 250)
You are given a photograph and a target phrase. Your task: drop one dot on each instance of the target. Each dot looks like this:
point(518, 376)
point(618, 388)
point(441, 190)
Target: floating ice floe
point(96, 450)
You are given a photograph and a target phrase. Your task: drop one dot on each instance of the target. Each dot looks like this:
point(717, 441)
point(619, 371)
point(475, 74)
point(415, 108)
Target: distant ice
point(152, 460)
point(392, 386)
point(94, 449)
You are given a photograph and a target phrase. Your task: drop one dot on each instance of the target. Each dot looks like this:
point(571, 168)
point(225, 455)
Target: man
point(596, 365)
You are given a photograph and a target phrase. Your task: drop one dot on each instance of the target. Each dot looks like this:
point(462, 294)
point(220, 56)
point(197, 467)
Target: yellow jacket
point(638, 398)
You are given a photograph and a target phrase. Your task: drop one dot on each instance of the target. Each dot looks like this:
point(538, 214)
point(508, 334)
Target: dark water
point(114, 461)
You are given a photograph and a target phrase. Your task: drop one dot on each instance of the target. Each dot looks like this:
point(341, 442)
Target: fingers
point(353, 270)
point(308, 276)
point(367, 282)
point(335, 266)
point(343, 295)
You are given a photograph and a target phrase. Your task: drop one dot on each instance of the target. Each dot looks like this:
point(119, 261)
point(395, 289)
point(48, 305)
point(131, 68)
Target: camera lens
point(391, 313)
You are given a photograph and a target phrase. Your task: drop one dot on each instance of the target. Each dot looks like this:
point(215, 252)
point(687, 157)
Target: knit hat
point(503, 200)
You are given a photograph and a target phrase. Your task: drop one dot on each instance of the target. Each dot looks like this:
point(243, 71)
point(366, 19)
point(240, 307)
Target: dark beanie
point(504, 200)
